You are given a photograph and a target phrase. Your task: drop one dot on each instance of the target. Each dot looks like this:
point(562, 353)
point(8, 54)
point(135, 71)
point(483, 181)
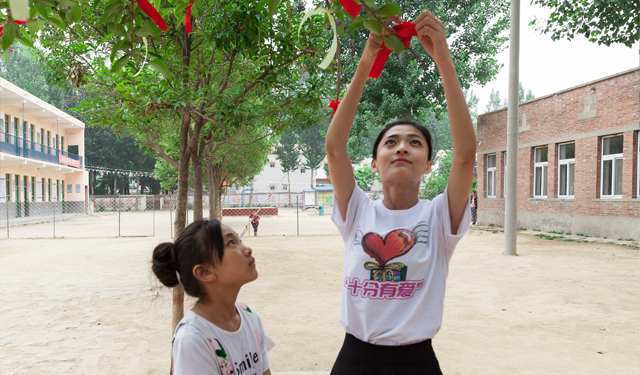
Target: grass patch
point(522, 228)
point(547, 237)
point(626, 239)
point(581, 234)
point(568, 233)
point(554, 232)
point(537, 230)
point(569, 240)
point(494, 231)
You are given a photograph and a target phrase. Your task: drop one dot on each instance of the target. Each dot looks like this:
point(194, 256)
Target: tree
point(604, 22)
point(529, 96)
point(439, 177)
point(288, 154)
point(365, 177)
point(311, 145)
point(494, 101)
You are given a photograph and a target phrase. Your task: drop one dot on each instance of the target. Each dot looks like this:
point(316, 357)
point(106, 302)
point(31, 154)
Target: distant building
point(578, 160)
point(41, 156)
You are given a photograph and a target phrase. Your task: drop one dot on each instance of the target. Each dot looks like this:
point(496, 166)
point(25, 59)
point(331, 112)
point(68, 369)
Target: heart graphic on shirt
point(395, 244)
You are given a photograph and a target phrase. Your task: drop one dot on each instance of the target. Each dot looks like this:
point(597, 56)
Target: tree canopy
point(603, 21)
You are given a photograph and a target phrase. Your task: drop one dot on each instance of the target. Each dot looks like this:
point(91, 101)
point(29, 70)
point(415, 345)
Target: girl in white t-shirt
point(219, 335)
point(398, 249)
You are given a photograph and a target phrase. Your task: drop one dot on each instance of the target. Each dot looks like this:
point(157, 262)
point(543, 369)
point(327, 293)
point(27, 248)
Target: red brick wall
point(557, 119)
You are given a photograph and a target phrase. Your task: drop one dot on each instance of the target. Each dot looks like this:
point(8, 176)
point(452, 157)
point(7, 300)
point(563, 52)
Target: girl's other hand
point(433, 37)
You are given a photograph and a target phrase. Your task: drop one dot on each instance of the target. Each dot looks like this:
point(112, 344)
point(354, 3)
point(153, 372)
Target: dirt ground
point(91, 306)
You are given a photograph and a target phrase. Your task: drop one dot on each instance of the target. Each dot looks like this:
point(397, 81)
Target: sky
point(547, 67)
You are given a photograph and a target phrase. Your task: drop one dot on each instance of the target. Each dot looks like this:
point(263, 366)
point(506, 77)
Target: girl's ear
point(374, 166)
point(204, 272)
point(427, 169)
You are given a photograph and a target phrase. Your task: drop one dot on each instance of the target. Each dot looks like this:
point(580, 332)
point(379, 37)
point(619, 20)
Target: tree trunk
point(114, 184)
point(197, 186)
point(311, 178)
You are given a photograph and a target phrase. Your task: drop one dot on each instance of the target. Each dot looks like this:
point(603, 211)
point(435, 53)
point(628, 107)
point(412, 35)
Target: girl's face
point(238, 266)
point(402, 155)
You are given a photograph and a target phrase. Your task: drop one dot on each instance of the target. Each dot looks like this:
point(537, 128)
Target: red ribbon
point(187, 18)
point(405, 31)
point(153, 13)
point(334, 105)
point(351, 7)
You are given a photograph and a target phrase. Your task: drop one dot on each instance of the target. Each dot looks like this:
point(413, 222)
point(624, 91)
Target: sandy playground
point(91, 306)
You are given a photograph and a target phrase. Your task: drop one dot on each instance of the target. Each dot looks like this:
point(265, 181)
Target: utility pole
point(511, 200)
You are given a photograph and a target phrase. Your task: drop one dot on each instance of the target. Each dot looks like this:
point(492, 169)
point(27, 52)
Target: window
point(49, 189)
point(491, 175)
point(7, 182)
point(32, 133)
point(272, 164)
point(272, 187)
point(16, 123)
point(638, 168)
point(25, 129)
point(62, 143)
point(302, 170)
point(57, 189)
point(285, 187)
point(566, 169)
point(540, 172)
point(32, 187)
point(42, 139)
point(44, 192)
point(611, 169)
point(57, 142)
point(504, 175)
point(48, 138)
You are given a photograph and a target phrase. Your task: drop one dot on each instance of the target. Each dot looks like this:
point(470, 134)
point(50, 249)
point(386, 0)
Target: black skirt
point(361, 358)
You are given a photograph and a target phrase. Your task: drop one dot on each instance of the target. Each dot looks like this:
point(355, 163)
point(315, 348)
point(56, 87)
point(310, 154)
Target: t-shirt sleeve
point(441, 205)
point(267, 344)
point(192, 354)
point(357, 200)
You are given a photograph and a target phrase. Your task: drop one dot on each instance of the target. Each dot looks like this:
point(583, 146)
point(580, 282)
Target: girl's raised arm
point(432, 36)
point(340, 168)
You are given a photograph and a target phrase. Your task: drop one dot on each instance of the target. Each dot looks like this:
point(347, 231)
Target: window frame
point(504, 174)
point(492, 171)
point(303, 170)
point(613, 158)
point(568, 163)
point(544, 165)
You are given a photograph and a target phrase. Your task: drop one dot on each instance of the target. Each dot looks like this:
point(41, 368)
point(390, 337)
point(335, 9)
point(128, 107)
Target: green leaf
point(357, 23)
point(341, 30)
point(273, 6)
point(79, 30)
point(118, 29)
point(45, 3)
point(373, 26)
point(25, 42)
point(44, 12)
point(120, 63)
point(76, 10)
point(56, 21)
point(9, 34)
point(68, 16)
point(19, 9)
point(33, 27)
point(179, 10)
point(67, 3)
point(394, 43)
point(388, 11)
point(162, 68)
point(152, 29)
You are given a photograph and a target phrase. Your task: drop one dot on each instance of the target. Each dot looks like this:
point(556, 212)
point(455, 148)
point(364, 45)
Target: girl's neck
point(400, 196)
point(218, 307)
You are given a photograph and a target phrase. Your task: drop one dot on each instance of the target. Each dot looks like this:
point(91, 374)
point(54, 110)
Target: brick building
point(578, 160)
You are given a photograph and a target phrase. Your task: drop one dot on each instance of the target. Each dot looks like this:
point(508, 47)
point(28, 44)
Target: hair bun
point(164, 266)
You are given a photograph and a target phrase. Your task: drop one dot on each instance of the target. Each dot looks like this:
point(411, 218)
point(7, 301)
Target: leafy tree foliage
point(602, 21)
point(439, 177)
point(288, 154)
point(495, 102)
point(365, 177)
point(311, 145)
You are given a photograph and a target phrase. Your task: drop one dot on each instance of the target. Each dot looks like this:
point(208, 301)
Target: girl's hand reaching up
point(433, 37)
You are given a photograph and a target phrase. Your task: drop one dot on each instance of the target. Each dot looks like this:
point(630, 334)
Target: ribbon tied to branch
point(405, 31)
point(351, 7)
point(334, 105)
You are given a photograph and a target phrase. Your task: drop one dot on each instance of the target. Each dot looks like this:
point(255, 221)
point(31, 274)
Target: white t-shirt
point(192, 354)
point(395, 268)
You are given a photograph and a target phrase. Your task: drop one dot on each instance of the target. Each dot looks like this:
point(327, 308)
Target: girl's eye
point(416, 142)
point(231, 242)
point(390, 141)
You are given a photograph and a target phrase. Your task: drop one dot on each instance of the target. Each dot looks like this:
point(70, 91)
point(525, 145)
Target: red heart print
point(395, 244)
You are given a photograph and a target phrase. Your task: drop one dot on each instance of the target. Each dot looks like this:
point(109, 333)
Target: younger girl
point(398, 249)
point(219, 335)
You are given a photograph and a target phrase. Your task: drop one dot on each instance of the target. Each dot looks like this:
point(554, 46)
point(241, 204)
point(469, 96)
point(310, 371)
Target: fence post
point(54, 219)
point(153, 199)
point(118, 204)
point(297, 218)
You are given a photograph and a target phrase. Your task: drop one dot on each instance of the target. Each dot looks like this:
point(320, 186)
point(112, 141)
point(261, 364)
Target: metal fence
point(154, 215)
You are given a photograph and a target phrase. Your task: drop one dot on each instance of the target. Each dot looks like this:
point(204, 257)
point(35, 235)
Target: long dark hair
point(199, 243)
point(421, 128)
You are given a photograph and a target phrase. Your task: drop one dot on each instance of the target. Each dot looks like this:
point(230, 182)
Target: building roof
point(11, 94)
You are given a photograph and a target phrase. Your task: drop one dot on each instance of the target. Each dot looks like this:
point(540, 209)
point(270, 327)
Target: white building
point(41, 156)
